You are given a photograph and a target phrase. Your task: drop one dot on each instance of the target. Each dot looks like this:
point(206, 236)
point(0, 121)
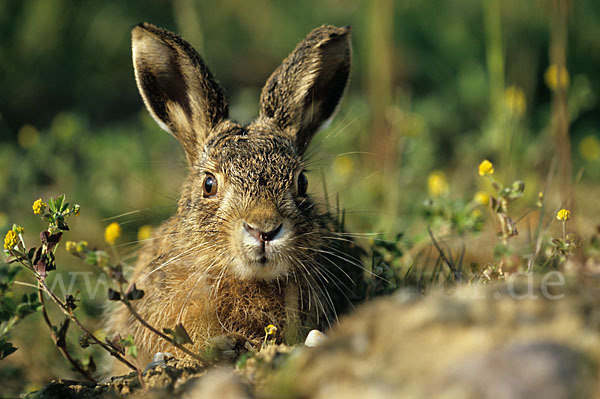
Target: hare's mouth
point(259, 254)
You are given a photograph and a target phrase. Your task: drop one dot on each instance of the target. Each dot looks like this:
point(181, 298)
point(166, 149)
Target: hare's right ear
point(305, 89)
point(178, 89)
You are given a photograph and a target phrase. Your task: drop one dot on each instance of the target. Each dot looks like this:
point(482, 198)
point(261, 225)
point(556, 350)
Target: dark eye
point(302, 184)
point(209, 185)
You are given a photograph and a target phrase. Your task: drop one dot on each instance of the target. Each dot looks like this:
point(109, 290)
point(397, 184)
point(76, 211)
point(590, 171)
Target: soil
point(497, 341)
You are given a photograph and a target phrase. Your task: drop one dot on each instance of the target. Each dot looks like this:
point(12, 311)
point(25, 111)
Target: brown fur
point(202, 268)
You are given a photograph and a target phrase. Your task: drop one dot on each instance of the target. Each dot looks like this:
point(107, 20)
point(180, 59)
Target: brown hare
point(247, 247)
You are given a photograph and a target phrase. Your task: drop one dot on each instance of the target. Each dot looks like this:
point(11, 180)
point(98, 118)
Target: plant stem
point(69, 313)
point(155, 331)
point(453, 269)
point(85, 373)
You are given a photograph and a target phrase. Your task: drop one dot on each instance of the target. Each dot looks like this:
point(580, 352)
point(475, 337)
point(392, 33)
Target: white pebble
point(162, 356)
point(315, 338)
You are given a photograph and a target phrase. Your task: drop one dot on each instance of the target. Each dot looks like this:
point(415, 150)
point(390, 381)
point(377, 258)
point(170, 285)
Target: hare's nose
point(262, 236)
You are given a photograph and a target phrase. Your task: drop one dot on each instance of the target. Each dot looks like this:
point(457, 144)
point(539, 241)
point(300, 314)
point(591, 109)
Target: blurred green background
point(436, 86)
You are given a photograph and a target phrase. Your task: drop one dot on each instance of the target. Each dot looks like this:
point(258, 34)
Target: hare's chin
point(257, 270)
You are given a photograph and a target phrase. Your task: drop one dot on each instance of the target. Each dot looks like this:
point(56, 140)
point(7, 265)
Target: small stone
point(162, 356)
point(315, 338)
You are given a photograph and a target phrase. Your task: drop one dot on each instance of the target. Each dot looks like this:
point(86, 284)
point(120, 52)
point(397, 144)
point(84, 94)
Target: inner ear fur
point(304, 91)
point(177, 87)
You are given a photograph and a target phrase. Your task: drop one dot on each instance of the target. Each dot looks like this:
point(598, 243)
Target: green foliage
point(472, 88)
point(129, 345)
point(12, 311)
point(179, 335)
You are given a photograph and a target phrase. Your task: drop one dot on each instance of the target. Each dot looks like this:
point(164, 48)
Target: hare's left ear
point(305, 89)
point(177, 87)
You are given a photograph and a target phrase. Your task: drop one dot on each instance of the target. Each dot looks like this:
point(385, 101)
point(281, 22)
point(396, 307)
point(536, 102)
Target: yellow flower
point(514, 100)
point(270, 329)
point(437, 185)
point(343, 165)
point(81, 246)
point(540, 201)
point(144, 232)
point(557, 77)
point(39, 206)
point(564, 215)
point(112, 233)
point(482, 198)
point(76, 209)
point(27, 136)
point(10, 240)
point(486, 168)
point(589, 148)
point(71, 246)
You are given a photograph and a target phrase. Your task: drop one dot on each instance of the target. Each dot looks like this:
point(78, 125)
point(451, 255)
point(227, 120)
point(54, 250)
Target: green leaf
point(29, 304)
point(58, 202)
point(132, 351)
point(181, 336)
point(51, 205)
point(8, 273)
point(62, 225)
point(113, 295)
point(133, 293)
point(91, 258)
point(30, 254)
point(89, 364)
point(6, 348)
point(8, 305)
point(129, 344)
point(4, 316)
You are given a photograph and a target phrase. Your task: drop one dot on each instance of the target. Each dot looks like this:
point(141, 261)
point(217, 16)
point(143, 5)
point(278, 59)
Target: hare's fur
point(204, 267)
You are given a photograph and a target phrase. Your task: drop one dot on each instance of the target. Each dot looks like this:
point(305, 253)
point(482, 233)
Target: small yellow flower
point(540, 201)
point(343, 165)
point(71, 246)
point(564, 215)
point(144, 232)
point(486, 168)
point(112, 233)
point(557, 77)
point(39, 206)
point(81, 246)
point(76, 209)
point(514, 100)
point(482, 198)
point(18, 229)
point(27, 136)
point(10, 240)
point(437, 185)
point(589, 148)
point(270, 329)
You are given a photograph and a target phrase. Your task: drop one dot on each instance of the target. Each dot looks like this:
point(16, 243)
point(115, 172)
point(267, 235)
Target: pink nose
point(261, 235)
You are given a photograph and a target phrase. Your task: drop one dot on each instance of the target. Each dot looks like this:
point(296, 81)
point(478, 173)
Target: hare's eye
point(302, 184)
point(209, 185)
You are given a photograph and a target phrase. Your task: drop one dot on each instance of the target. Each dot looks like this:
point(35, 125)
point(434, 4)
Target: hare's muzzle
point(262, 236)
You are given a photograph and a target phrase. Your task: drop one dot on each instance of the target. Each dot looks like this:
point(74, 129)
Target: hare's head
point(245, 201)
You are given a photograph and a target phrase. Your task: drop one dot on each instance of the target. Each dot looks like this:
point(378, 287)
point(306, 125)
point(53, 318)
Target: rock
point(505, 341)
point(315, 338)
point(217, 383)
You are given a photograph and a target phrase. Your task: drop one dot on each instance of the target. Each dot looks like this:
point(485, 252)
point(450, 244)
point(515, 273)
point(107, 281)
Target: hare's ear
point(177, 87)
point(305, 89)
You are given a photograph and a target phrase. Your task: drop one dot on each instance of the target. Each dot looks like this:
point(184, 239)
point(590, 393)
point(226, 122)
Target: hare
point(247, 246)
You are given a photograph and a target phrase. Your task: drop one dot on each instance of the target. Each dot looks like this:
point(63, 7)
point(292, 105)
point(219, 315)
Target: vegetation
point(467, 149)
